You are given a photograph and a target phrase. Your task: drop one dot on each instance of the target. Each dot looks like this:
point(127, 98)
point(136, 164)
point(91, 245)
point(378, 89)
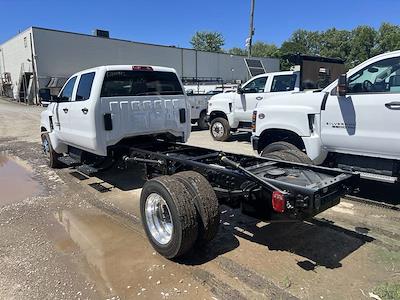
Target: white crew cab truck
point(122, 102)
point(352, 124)
point(230, 112)
point(140, 114)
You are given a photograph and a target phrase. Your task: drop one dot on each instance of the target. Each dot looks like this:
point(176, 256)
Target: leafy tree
point(302, 41)
point(208, 41)
point(237, 51)
point(388, 38)
point(262, 49)
point(335, 43)
point(362, 45)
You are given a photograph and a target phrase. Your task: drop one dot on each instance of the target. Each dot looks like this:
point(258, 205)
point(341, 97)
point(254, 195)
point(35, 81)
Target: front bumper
point(254, 142)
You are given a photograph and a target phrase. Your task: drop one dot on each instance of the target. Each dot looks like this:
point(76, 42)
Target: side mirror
point(44, 95)
point(55, 98)
point(342, 85)
point(240, 90)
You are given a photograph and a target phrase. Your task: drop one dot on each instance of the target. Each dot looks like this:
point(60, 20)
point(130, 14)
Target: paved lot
point(65, 236)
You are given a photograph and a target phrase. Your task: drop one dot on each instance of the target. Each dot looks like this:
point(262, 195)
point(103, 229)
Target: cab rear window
point(140, 83)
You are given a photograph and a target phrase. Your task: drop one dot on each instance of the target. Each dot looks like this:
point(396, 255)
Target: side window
point(380, 77)
point(66, 93)
point(84, 87)
point(256, 86)
point(283, 83)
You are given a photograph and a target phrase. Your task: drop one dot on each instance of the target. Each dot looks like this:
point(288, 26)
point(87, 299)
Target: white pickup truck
point(140, 115)
point(352, 124)
point(229, 112)
point(122, 101)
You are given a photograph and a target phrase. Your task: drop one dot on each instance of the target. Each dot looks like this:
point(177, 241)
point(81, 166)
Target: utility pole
point(249, 41)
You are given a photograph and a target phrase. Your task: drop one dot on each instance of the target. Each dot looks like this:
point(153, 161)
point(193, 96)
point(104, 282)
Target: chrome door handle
point(65, 110)
point(393, 105)
point(85, 110)
point(259, 98)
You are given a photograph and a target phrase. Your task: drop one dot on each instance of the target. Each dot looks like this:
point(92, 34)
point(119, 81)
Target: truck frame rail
point(265, 188)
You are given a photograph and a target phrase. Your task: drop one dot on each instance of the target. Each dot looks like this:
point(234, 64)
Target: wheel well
point(276, 135)
point(217, 114)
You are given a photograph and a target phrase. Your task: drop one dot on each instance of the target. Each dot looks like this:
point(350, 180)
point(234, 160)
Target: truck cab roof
point(106, 68)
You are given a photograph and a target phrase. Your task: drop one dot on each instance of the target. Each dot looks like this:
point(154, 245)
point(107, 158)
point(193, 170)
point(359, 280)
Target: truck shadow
point(123, 179)
point(240, 137)
point(318, 243)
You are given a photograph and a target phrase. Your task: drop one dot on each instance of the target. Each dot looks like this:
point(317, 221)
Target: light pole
point(251, 30)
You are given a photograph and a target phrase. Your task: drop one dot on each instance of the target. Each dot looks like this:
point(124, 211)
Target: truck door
point(61, 110)
point(366, 121)
point(245, 103)
point(283, 84)
point(82, 128)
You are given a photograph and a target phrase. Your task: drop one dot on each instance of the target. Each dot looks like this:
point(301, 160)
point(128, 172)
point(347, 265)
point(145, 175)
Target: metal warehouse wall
point(15, 54)
point(60, 54)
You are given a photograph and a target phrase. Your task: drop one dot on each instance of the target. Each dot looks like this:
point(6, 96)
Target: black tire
point(201, 122)
point(216, 126)
point(182, 212)
point(206, 203)
point(278, 146)
point(290, 155)
point(52, 155)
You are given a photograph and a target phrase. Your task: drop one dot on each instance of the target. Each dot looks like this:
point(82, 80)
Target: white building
point(51, 56)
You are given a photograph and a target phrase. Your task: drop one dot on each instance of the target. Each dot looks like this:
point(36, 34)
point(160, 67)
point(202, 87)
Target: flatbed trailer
point(268, 189)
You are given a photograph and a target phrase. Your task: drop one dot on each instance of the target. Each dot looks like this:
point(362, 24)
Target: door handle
point(393, 105)
point(259, 98)
point(85, 110)
point(65, 110)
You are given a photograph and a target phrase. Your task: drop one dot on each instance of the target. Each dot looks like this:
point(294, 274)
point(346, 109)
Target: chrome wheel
point(158, 218)
point(218, 130)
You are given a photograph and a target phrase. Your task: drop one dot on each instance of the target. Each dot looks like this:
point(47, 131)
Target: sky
point(173, 22)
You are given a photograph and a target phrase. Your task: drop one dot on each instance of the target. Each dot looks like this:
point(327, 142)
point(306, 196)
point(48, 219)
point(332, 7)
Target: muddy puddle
point(122, 264)
point(16, 181)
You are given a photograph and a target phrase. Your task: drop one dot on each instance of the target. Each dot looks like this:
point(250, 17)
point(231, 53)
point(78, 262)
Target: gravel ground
point(66, 239)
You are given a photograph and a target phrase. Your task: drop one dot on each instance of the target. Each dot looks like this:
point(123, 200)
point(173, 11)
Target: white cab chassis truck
point(352, 124)
point(140, 115)
point(231, 112)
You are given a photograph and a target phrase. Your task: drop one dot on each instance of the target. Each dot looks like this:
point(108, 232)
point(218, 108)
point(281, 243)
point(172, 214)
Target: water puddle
point(123, 262)
point(16, 181)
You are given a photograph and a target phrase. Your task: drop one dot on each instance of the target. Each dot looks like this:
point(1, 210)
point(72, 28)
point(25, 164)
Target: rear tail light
point(253, 121)
point(278, 201)
point(142, 68)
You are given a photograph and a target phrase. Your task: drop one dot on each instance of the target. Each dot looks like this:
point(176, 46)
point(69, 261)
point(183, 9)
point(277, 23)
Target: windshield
point(140, 83)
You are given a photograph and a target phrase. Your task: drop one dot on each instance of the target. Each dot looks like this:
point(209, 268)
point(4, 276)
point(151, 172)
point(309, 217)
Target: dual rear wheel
point(178, 212)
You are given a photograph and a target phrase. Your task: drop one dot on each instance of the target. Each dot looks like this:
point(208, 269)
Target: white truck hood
point(311, 100)
point(221, 97)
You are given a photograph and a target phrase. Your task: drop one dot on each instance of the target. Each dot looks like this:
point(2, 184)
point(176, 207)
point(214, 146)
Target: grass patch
point(388, 291)
point(389, 257)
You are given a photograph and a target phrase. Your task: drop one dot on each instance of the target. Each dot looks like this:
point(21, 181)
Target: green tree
point(208, 41)
point(237, 51)
point(262, 49)
point(335, 43)
point(363, 43)
point(302, 41)
point(388, 38)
